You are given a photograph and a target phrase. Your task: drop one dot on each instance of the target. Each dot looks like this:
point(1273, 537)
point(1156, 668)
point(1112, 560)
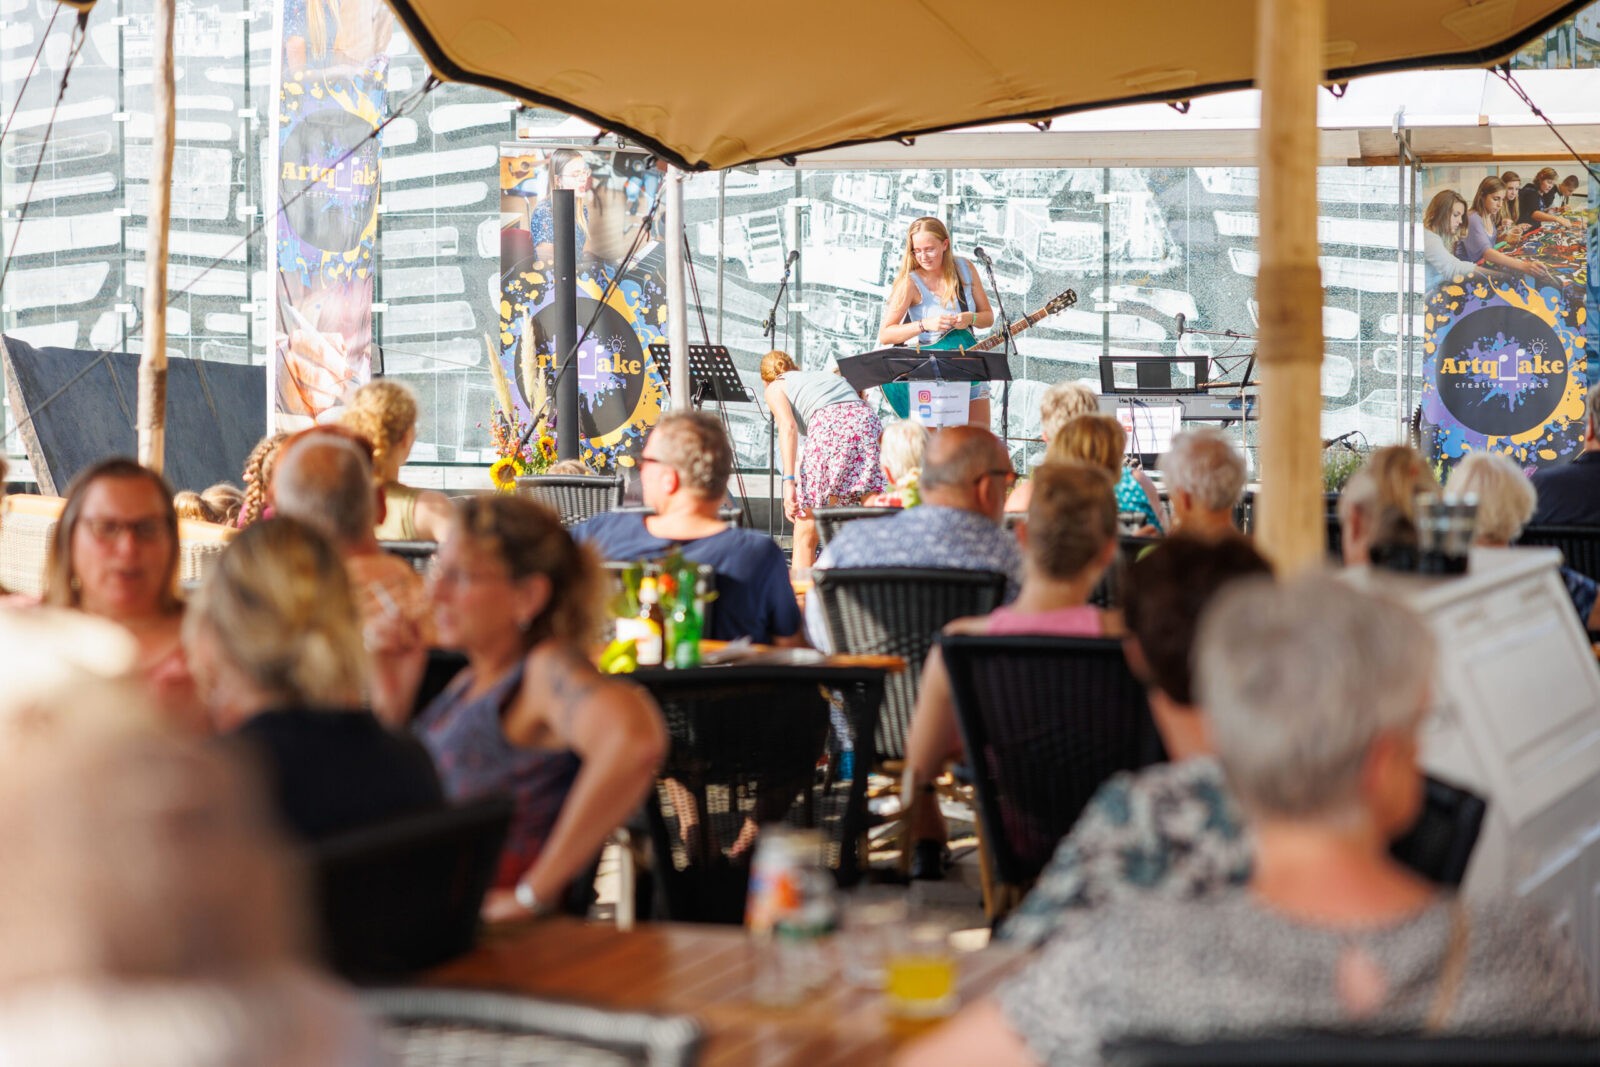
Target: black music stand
point(884, 365)
point(711, 373)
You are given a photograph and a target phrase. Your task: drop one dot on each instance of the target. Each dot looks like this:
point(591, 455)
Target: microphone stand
point(769, 329)
point(1007, 348)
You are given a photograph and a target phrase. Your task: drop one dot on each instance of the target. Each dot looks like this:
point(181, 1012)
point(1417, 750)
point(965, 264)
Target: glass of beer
point(921, 972)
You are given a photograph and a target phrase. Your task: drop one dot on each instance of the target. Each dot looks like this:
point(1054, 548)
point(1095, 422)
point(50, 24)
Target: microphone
point(982, 257)
point(1183, 322)
point(794, 256)
point(1342, 439)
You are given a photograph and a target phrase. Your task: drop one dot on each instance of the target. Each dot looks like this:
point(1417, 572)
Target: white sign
point(940, 404)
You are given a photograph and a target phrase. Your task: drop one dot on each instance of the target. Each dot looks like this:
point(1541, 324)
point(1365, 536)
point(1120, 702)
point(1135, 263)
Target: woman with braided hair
point(385, 413)
point(257, 476)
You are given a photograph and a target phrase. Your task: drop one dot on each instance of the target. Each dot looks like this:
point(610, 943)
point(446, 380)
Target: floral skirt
point(841, 456)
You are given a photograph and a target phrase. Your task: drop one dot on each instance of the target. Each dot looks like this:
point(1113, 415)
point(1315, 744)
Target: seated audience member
point(1171, 829)
point(145, 904)
point(1069, 541)
point(569, 467)
point(1101, 440)
point(900, 453)
point(325, 481)
point(1315, 694)
point(385, 413)
point(685, 467)
point(1505, 500)
point(1062, 401)
point(965, 476)
point(275, 639)
point(1205, 476)
point(257, 477)
point(1378, 505)
point(114, 554)
point(219, 504)
point(530, 715)
point(1569, 493)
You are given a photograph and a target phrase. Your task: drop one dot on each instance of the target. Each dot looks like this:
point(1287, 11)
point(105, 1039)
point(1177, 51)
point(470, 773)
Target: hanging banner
point(621, 392)
point(1506, 358)
point(331, 80)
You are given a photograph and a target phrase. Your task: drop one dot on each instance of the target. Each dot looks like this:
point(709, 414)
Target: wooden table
point(706, 972)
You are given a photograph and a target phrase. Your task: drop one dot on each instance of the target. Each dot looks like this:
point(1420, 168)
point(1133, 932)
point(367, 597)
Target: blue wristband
point(788, 477)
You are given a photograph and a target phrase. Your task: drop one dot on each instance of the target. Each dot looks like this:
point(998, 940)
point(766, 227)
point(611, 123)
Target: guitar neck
point(996, 339)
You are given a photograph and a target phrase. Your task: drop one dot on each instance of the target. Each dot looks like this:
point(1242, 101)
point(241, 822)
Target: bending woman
point(840, 463)
point(1483, 227)
point(530, 715)
point(935, 303)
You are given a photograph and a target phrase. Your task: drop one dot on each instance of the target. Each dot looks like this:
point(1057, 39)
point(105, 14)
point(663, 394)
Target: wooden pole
point(1289, 35)
point(153, 362)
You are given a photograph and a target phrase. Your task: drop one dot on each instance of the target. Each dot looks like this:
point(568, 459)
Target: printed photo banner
point(1507, 355)
point(621, 392)
point(331, 79)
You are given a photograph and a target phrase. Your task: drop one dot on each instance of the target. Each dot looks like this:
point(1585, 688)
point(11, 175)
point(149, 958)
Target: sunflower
point(547, 447)
point(503, 473)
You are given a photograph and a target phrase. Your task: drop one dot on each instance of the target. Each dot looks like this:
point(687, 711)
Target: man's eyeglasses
point(107, 531)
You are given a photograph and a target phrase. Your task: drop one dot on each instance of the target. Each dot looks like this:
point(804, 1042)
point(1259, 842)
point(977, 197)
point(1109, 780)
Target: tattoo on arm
point(572, 680)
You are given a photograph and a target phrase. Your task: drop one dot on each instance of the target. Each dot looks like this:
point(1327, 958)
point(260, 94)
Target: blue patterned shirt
point(1170, 830)
point(931, 535)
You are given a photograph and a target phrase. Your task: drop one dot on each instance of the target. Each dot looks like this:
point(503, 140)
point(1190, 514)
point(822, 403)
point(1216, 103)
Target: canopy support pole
point(677, 302)
point(152, 410)
point(1289, 40)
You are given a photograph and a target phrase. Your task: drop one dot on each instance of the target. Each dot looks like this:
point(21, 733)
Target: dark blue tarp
point(76, 407)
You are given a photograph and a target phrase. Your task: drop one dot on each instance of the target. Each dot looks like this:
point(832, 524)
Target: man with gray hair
point(1569, 493)
point(684, 470)
point(1316, 693)
point(325, 480)
point(966, 474)
point(1205, 481)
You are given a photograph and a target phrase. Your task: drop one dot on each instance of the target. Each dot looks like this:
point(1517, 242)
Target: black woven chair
point(1324, 1050)
point(417, 553)
point(1440, 845)
point(1045, 720)
point(897, 611)
point(1580, 545)
point(574, 497)
point(829, 520)
point(1107, 592)
point(746, 745)
point(402, 896)
point(450, 1027)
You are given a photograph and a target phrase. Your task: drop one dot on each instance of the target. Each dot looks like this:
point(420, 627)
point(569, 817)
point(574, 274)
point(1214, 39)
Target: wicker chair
point(1440, 845)
point(404, 895)
point(574, 497)
point(472, 1028)
point(1580, 545)
point(830, 519)
point(27, 523)
point(1045, 720)
point(746, 743)
point(199, 545)
point(897, 611)
point(1326, 1050)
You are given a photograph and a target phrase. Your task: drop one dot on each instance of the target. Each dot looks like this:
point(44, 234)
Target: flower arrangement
point(519, 449)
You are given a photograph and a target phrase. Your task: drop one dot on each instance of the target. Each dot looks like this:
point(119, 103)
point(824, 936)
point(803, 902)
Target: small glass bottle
point(650, 633)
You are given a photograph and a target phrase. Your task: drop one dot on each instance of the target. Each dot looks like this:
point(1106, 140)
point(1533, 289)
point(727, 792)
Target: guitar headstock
point(1061, 301)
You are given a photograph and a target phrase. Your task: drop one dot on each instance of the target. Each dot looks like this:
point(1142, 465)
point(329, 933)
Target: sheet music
point(1150, 427)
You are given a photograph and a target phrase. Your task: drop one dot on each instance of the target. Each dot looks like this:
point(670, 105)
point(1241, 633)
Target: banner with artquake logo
point(331, 74)
point(1507, 349)
point(621, 393)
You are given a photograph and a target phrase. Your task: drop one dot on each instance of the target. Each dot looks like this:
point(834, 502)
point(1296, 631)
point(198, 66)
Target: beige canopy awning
point(715, 83)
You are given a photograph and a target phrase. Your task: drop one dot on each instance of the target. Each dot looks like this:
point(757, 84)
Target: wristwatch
point(527, 899)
